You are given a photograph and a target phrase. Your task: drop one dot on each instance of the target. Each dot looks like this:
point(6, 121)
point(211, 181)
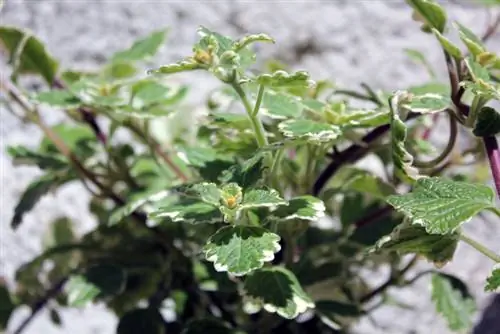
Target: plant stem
point(258, 102)
point(480, 248)
point(40, 304)
point(448, 149)
point(258, 128)
point(493, 153)
point(351, 155)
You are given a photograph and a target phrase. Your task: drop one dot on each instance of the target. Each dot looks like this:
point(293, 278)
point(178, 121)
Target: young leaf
point(430, 12)
point(28, 53)
point(96, 281)
point(304, 207)
point(333, 309)
point(250, 39)
point(57, 98)
point(138, 200)
point(411, 239)
point(477, 72)
point(284, 79)
point(493, 281)
point(181, 66)
point(487, 123)
point(281, 105)
point(441, 205)
point(277, 290)
point(241, 249)
point(148, 320)
point(257, 198)
point(358, 118)
point(7, 306)
point(466, 32)
point(362, 181)
point(452, 304)
point(448, 45)
point(195, 213)
point(36, 190)
point(142, 49)
point(310, 131)
point(23, 156)
point(247, 174)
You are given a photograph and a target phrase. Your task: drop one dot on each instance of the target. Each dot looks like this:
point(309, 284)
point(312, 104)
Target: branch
point(40, 304)
point(87, 115)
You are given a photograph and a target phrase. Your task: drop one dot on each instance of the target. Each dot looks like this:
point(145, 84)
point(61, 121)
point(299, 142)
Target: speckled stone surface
point(350, 41)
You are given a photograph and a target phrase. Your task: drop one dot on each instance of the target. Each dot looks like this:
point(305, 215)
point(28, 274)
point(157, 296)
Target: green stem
point(256, 122)
point(258, 102)
point(274, 168)
point(480, 248)
point(477, 103)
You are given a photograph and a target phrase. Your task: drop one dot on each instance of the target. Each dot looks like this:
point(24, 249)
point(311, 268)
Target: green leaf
point(241, 249)
point(208, 193)
point(281, 105)
point(362, 181)
point(35, 191)
point(426, 103)
point(469, 34)
point(247, 174)
point(146, 321)
point(430, 13)
point(206, 326)
point(359, 118)
point(136, 202)
point(250, 39)
point(120, 70)
point(402, 159)
point(60, 233)
point(448, 45)
point(419, 57)
point(23, 156)
point(7, 305)
point(97, 281)
point(277, 290)
point(181, 66)
point(28, 54)
point(493, 281)
point(441, 205)
point(74, 136)
point(195, 213)
point(257, 198)
point(487, 123)
point(412, 239)
point(57, 98)
point(142, 49)
point(456, 308)
point(303, 207)
point(147, 92)
point(285, 79)
point(310, 131)
point(432, 87)
point(474, 46)
point(477, 72)
point(94, 94)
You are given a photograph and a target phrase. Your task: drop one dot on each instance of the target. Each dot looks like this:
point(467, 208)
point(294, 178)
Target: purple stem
point(493, 152)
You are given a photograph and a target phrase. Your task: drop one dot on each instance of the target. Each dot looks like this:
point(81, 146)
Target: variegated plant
point(267, 215)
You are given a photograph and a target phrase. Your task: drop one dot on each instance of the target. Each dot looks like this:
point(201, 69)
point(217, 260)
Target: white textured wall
point(346, 40)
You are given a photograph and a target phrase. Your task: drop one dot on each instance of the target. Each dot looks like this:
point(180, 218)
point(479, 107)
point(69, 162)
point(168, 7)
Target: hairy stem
point(480, 248)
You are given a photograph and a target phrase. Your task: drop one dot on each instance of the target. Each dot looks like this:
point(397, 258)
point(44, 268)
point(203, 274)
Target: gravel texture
point(350, 41)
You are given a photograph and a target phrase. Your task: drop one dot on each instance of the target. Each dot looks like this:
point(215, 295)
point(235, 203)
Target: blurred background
point(348, 41)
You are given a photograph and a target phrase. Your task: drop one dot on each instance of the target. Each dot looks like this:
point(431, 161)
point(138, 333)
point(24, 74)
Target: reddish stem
point(493, 152)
